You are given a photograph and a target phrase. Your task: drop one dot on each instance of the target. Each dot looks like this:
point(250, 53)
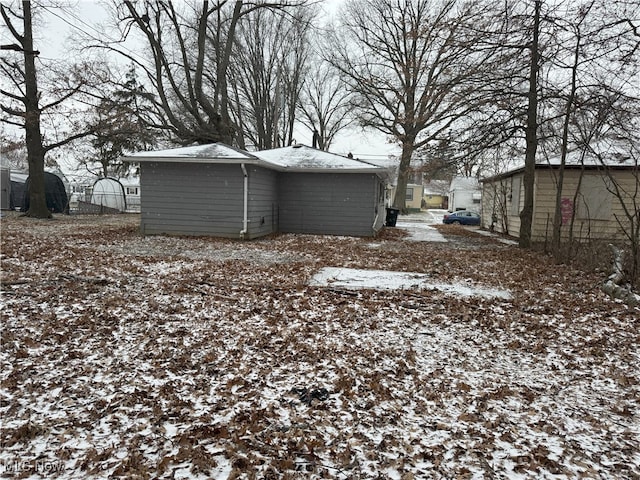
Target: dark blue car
point(463, 217)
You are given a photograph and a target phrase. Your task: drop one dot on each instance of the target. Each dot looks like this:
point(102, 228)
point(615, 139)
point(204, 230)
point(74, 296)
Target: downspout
point(245, 212)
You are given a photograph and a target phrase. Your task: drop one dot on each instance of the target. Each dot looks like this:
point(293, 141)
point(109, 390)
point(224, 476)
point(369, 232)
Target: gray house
point(222, 191)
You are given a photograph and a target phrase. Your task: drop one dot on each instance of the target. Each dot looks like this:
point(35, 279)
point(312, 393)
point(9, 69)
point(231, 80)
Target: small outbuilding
point(223, 191)
point(597, 197)
point(109, 193)
point(465, 194)
point(55, 194)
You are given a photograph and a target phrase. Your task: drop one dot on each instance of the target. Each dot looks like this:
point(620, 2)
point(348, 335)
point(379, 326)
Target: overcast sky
point(87, 15)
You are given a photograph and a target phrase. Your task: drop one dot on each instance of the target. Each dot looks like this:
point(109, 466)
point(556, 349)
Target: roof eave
point(200, 160)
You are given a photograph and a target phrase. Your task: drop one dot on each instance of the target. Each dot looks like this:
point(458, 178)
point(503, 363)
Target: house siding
point(499, 198)
point(502, 202)
point(596, 225)
point(202, 199)
point(333, 204)
point(263, 202)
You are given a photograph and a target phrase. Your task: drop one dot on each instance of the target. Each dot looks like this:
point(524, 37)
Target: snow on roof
point(303, 158)
point(464, 183)
point(295, 158)
point(436, 187)
point(606, 153)
point(195, 154)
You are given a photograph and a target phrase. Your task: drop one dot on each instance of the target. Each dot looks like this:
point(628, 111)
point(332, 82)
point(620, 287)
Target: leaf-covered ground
point(161, 357)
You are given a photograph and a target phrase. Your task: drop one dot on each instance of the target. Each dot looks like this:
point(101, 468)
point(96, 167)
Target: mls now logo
point(42, 467)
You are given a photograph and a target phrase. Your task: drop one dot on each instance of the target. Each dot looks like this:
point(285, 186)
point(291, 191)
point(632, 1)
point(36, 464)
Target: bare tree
point(412, 68)
point(324, 104)
point(23, 105)
point(531, 132)
point(191, 48)
point(266, 76)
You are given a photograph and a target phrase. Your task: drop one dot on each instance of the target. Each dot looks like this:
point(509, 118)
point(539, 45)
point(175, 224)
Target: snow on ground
point(351, 278)
point(168, 357)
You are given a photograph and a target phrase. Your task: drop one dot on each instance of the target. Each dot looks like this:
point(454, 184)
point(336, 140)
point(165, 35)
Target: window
point(132, 190)
point(409, 193)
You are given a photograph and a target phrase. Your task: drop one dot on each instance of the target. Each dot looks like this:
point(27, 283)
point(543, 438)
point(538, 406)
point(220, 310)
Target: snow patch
point(351, 278)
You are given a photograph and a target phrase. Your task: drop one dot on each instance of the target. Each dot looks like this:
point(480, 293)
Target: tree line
point(466, 84)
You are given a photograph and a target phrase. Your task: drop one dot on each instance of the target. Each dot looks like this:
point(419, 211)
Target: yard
point(164, 357)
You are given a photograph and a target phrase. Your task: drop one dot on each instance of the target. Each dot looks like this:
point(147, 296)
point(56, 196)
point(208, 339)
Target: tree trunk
point(35, 150)
point(526, 215)
point(400, 197)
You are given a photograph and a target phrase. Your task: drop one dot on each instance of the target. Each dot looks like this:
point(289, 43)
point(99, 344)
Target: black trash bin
point(392, 217)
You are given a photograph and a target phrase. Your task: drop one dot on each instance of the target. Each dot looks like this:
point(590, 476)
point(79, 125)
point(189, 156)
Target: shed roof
point(605, 155)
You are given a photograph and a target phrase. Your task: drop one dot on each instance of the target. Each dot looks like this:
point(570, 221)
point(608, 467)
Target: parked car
point(463, 217)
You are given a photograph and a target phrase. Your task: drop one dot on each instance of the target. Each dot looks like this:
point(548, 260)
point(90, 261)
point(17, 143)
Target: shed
point(55, 194)
point(223, 191)
point(436, 194)
point(596, 196)
point(5, 188)
point(465, 194)
point(109, 193)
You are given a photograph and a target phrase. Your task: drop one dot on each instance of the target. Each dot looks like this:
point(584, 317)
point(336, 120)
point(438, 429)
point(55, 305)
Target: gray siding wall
point(200, 199)
point(332, 204)
point(263, 202)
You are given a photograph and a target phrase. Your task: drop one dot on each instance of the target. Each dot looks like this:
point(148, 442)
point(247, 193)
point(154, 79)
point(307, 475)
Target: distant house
point(222, 191)
point(465, 194)
point(132, 192)
point(413, 201)
point(413, 196)
point(436, 194)
point(594, 197)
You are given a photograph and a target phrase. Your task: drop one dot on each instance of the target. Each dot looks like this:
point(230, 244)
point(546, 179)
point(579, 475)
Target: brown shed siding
point(595, 208)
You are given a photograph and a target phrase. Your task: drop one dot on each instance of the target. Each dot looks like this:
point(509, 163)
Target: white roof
point(464, 183)
point(610, 157)
point(210, 153)
point(608, 153)
point(303, 158)
point(297, 158)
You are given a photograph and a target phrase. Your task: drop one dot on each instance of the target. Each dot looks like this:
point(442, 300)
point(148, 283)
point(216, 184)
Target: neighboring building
point(222, 191)
point(413, 197)
point(5, 188)
point(436, 194)
point(415, 194)
point(465, 194)
point(594, 197)
point(132, 192)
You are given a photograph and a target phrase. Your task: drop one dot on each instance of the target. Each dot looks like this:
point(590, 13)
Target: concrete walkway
point(419, 226)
